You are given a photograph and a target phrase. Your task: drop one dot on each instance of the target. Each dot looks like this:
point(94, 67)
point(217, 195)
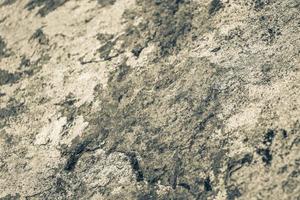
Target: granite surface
point(150, 99)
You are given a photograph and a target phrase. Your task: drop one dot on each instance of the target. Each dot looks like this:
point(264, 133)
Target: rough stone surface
point(150, 99)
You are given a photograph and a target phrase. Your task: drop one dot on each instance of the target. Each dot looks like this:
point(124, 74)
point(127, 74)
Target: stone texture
point(149, 99)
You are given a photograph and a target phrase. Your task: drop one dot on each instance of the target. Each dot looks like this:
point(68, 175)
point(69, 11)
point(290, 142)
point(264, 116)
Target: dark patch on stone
point(8, 78)
point(25, 62)
point(282, 169)
point(103, 37)
point(148, 196)
point(40, 37)
point(126, 110)
point(16, 196)
point(172, 27)
point(260, 4)
point(68, 108)
point(106, 2)
point(3, 19)
point(153, 176)
point(137, 49)
point(216, 49)
point(75, 153)
point(207, 185)
point(185, 185)
point(2, 94)
point(270, 34)
point(265, 151)
point(8, 2)
point(28, 68)
point(8, 139)
point(3, 49)
point(69, 101)
point(266, 155)
point(123, 71)
point(135, 166)
point(214, 7)
point(268, 138)
point(201, 125)
point(236, 164)
point(45, 6)
point(165, 24)
point(233, 193)
point(12, 109)
point(42, 60)
point(266, 70)
point(106, 49)
point(60, 186)
point(284, 133)
point(176, 170)
point(290, 185)
point(295, 173)
point(217, 161)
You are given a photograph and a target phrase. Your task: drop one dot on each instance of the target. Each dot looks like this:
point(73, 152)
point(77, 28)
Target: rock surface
point(149, 99)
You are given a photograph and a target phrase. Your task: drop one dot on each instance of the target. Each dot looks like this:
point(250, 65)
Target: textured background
point(149, 99)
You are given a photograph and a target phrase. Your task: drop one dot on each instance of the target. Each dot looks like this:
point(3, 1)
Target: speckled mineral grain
point(150, 99)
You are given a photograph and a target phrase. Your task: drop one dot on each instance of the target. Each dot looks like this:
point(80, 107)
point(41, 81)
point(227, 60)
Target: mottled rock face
point(149, 99)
